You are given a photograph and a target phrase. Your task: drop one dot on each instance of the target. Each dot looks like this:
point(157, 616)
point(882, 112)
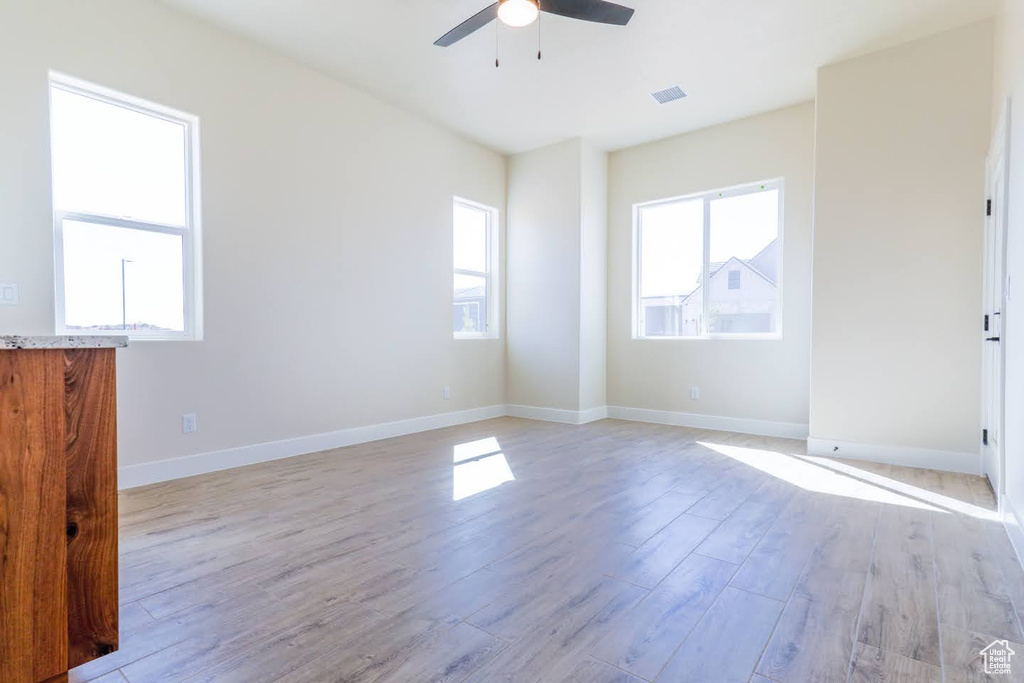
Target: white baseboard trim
point(572, 417)
point(131, 476)
point(1014, 523)
point(948, 461)
point(786, 430)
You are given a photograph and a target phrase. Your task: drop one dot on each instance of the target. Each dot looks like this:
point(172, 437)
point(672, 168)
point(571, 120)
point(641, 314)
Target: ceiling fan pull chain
point(497, 28)
point(538, 32)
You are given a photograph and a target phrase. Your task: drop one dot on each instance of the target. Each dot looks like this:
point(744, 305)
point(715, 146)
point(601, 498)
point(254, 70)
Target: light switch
point(8, 294)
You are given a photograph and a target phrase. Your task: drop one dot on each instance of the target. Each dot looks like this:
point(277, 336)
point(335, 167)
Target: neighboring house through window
point(709, 265)
point(126, 214)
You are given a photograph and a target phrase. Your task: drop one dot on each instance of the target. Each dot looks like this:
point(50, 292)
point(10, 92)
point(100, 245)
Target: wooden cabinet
point(58, 508)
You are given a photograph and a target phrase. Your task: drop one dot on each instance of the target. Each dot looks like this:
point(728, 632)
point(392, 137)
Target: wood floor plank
point(241, 648)
point(649, 564)
point(899, 610)
point(727, 642)
point(112, 677)
point(515, 615)
point(734, 538)
point(729, 495)
point(871, 665)
point(646, 640)
point(592, 671)
point(371, 654)
point(551, 651)
point(962, 660)
point(815, 634)
point(805, 647)
point(658, 514)
point(972, 592)
point(774, 565)
point(452, 657)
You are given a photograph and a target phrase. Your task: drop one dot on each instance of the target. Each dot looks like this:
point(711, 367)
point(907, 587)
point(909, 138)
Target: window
point(125, 214)
point(474, 247)
point(710, 265)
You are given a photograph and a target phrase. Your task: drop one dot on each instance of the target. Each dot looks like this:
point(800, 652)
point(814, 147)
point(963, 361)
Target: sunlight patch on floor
point(811, 477)
point(479, 466)
point(945, 502)
point(476, 449)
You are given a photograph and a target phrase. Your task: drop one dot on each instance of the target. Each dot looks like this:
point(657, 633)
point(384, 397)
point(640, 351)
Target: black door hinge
point(984, 437)
point(988, 208)
point(986, 323)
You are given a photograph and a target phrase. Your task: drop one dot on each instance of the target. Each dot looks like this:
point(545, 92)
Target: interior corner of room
point(308, 251)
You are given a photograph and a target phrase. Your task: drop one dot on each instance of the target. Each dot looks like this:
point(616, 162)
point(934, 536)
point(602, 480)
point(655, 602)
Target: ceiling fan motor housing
point(524, 12)
point(518, 13)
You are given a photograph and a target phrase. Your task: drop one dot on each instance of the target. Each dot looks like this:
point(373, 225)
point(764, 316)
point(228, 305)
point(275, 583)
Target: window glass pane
point(469, 312)
point(671, 254)
point(743, 283)
point(470, 241)
point(119, 278)
point(114, 161)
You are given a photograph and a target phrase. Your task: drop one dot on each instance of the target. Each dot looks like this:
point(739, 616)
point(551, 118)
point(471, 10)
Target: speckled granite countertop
point(84, 341)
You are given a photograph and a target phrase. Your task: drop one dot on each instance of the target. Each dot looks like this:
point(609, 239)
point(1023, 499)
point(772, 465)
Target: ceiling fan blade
point(474, 23)
point(599, 11)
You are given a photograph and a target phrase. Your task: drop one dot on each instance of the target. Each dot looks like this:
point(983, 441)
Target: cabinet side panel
point(91, 427)
point(33, 607)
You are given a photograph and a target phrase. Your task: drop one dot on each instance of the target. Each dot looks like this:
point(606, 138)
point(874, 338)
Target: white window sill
point(474, 335)
point(133, 337)
point(715, 337)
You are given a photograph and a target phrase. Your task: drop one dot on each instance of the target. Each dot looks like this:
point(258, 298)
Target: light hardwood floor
point(619, 552)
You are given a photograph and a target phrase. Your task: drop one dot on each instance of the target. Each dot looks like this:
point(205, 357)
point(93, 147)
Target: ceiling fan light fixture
point(518, 13)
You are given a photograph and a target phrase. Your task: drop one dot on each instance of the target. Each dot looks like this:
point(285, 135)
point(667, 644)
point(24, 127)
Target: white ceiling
point(734, 58)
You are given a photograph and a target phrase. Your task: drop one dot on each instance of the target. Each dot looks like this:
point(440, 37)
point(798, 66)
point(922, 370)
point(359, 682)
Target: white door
point(994, 311)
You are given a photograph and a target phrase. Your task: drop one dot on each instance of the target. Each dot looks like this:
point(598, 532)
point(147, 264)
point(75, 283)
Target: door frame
point(993, 461)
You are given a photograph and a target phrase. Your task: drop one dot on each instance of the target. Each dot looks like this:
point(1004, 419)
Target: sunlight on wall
point(480, 466)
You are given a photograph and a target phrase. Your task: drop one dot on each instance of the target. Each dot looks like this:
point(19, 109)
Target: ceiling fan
point(517, 13)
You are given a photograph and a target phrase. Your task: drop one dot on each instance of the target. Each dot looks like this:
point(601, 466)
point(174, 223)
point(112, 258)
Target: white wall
point(544, 276)
point(557, 235)
point(901, 142)
point(593, 278)
point(327, 219)
point(749, 379)
point(1010, 83)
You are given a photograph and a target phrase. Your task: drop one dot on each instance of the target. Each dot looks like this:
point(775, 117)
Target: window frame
point(707, 197)
point(190, 232)
point(490, 276)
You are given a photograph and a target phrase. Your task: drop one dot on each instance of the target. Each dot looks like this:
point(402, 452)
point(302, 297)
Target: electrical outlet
point(694, 393)
point(8, 294)
point(447, 393)
point(189, 424)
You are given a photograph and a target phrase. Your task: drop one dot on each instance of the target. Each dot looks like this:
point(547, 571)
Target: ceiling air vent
point(669, 95)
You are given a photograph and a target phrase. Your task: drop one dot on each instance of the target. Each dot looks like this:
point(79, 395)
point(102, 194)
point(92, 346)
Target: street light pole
point(124, 296)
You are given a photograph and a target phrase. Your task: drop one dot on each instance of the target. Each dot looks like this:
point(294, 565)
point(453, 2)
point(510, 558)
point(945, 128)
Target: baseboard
point(948, 461)
point(1013, 520)
point(131, 476)
point(786, 430)
point(572, 417)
